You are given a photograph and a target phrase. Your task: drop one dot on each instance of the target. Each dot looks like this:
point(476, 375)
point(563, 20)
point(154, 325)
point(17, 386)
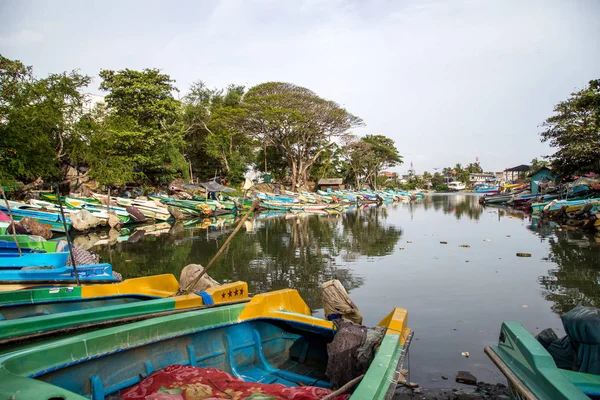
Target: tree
point(437, 179)
point(214, 131)
point(574, 130)
point(296, 121)
point(383, 154)
point(474, 168)
point(140, 136)
point(37, 120)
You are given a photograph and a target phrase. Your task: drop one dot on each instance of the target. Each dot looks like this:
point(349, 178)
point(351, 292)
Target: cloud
point(24, 37)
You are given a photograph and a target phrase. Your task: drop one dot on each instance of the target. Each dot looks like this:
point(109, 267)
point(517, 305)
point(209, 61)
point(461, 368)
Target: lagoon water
point(390, 256)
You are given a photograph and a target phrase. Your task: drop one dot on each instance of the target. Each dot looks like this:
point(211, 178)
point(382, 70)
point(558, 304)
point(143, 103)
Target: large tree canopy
point(37, 120)
point(574, 130)
point(140, 137)
point(296, 121)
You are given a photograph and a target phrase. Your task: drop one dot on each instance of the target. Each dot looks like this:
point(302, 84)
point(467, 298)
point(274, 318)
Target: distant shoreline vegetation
point(142, 135)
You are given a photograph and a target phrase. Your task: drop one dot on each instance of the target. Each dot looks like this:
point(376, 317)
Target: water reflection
point(576, 278)
point(273, 252)
point(459, 204)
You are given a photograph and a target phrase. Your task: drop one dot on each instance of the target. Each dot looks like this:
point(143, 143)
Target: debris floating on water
point(409, 241)
point(465, 354)
point(524, 306)
point(443, 242)
point(523, 254)
point(465, 245)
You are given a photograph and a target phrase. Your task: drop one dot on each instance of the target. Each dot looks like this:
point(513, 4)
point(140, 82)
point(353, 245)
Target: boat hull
point(531, 371)
point(273, 339)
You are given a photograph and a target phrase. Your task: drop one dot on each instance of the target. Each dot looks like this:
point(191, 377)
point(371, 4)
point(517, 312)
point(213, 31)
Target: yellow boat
point(39, 312)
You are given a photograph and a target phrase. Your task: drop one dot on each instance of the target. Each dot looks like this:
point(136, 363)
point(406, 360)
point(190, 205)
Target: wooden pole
point(223, 247)
point(344, 388)
point(12, 221)
point(62, 213)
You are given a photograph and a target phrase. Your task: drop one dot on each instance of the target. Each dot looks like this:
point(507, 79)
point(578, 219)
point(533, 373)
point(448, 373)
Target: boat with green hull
point(271, 339)
point(532, 372)
point(35, 313)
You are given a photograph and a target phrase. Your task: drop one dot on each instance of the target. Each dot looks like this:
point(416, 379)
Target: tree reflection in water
point(576, 278)
point(459, 204)
point(299, 252)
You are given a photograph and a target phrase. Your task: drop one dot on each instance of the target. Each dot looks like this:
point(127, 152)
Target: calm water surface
point(391, 256)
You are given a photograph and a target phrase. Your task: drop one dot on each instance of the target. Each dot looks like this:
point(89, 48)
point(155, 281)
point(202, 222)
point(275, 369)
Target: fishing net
point(184, 382)
point(351, 352)
point(337, 303)
point(82, 257)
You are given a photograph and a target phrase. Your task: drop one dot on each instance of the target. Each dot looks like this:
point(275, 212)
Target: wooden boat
point(19, 278)
point(271, 339)
point(51, 220)
point(30, 242)
point(487, 189)
point(35, 313)
point(531, 371)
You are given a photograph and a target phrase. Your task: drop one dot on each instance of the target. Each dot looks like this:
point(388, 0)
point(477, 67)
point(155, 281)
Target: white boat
point(456, 185)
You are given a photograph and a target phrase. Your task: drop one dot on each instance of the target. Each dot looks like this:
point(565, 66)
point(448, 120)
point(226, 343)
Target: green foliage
point(437, 180)
point(37, 121)
point(474, 168)
point(574, 130)
point(213, 132)
point(297, 121)
point(368, 156)
point(140, 137)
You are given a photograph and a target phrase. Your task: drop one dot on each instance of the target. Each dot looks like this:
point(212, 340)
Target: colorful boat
point(271, 339)
point(35, 313)
point(487, 189)
point(532, 372)
point(30, 242)
point(20, 278)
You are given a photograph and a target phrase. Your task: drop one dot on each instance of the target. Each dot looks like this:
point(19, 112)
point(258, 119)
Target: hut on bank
point(331, 183)
point(541, 179)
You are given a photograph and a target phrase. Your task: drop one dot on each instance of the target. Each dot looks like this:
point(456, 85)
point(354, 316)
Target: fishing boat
point(34, 313)
point(487, 189)
point(532, 372)
point(273, 339)
point(53, 221)
point(456, 186)
point(18, 278)
point(33, 242)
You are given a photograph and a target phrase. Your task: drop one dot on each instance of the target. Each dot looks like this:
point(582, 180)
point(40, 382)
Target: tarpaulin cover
point(184, 382)
point(213, 186)
point(580, 349)
point(582, 325)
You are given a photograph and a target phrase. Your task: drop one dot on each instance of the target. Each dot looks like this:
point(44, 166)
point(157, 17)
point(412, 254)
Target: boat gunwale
point(229, 320)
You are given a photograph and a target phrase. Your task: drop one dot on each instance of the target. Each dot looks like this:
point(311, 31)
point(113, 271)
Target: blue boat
point(487, 189)
point(12, 259)
point(30, 277)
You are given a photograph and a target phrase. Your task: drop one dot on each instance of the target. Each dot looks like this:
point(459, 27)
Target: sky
point(450, 81)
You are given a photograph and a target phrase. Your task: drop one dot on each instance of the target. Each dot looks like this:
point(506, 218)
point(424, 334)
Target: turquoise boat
point(271, 339)
point(35, 313)
point(30, 242)
point(532, 372)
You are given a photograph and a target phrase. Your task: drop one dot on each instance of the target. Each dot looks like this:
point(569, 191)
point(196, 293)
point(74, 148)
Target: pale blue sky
point(447, 80)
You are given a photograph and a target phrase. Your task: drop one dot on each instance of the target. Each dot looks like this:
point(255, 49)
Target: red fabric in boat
point(4, 217)
point(182, 382)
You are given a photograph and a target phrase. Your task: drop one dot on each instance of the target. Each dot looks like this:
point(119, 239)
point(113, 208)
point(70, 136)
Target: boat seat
point(290, 372)
point(587, 383)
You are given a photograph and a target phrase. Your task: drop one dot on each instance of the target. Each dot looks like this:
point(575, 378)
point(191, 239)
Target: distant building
point(499, 176)
point(450, 176)
point(388, 174)
point(542, 179)
point(331, 183)
point(481, 178)
point(516, 174)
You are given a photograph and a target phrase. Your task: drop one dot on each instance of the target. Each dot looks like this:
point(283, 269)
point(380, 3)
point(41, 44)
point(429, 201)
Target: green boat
point(533, 373)
point(31, 242)
point(271, 339)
